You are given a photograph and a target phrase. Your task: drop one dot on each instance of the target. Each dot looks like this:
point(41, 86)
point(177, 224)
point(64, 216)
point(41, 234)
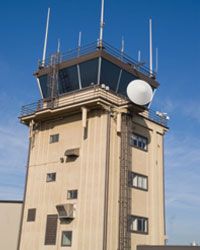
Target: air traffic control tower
point(95, 164)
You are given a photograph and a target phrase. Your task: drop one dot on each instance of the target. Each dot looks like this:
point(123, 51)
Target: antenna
point(139, 92)
point(58, 47)
point(156, 70)
point(122, 48)
point(150, 48)
point(101, 24)
point(46, 37)
point(79, 39)
point(139, 56)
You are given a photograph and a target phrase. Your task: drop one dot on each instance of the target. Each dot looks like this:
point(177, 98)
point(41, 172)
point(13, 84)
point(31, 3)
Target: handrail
point(86, 94)
point(92, 47)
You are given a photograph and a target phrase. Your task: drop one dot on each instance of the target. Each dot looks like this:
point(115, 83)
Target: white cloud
point(185, 108)
point(182, 162)
point(13, 154)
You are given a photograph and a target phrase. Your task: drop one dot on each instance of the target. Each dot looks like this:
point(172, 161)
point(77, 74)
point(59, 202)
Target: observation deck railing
point(87, 95)
point(92, 47)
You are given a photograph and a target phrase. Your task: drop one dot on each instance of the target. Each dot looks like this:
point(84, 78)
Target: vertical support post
point(78, 67)
point(84, 117)
point(99, 71)
point(119, 122)
point(45, 40)
point(119, 79)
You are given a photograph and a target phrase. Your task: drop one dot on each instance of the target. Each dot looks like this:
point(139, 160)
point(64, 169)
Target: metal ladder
point(53, 78)
point(125, 191)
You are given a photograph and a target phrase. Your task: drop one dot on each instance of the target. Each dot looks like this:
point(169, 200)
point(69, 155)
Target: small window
point(66, 238)
point(139, 141)
point(31, 214)
point(54, 138)
point(51, 177)
point(138, 181)
point(72, 194)
point(138, 224)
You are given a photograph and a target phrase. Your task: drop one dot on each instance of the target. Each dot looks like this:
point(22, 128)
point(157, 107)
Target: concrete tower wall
point(95, 173)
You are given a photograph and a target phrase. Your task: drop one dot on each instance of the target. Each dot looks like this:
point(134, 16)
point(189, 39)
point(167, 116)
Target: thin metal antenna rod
point(150, 48)
point(79, 39)
point(46, 37)
point(122, 48)
point(101, 24)
point(156, 70)
point(58, 47)
point(139, 56)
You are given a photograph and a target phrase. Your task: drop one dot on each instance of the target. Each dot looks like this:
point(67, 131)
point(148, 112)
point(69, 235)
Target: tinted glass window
point(88, 72)
point(126, 78)
point(109, 74)
point(68, 80)
point(44, 86)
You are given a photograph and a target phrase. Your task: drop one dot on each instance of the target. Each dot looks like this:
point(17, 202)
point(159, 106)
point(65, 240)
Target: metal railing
point(92, 47)
point(86, 95)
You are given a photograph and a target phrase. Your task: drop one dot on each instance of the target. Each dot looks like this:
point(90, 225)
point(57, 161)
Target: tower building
point(95, 171)
point(95, 165)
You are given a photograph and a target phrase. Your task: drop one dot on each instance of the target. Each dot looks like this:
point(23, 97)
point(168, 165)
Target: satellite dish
point(139, 92)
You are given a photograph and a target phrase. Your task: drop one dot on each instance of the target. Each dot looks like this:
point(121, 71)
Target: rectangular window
point(51, 177)
point(139, 141)
point(66, 238)
point(31, 214)
point(54, 138)
point(138, 181)
point(51, 229)
point(72, 194)
point(138, 224)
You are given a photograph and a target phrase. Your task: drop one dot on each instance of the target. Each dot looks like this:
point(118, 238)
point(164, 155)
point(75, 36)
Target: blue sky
point(176, 27)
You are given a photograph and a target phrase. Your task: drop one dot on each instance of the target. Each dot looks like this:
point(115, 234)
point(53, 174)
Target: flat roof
point(11, 201)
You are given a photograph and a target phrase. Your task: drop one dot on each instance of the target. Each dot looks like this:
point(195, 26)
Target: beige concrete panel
point(92, 184)
point(10, 215)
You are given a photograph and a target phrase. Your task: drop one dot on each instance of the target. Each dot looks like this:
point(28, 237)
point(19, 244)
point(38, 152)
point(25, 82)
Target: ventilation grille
point(51, 229)
point(31, 214)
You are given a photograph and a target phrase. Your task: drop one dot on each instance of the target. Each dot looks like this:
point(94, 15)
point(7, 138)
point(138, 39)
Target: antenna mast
point(101, 24)
point(150, 48)
point(139, 56)
point(46, 37)
point(58, 47)
point(79, 39)
point(122, 48)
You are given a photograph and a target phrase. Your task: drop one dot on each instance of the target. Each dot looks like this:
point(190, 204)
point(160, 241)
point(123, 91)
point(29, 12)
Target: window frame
point(145, 219)
point(131, 181)
point(63, 232)
point(50, 180)
point(54, 138)
point(72, 190)
point(137, 146)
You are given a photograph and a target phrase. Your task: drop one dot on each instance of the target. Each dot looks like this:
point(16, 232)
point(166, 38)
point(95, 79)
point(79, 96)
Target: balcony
point(93, 47)
point(90, 96)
